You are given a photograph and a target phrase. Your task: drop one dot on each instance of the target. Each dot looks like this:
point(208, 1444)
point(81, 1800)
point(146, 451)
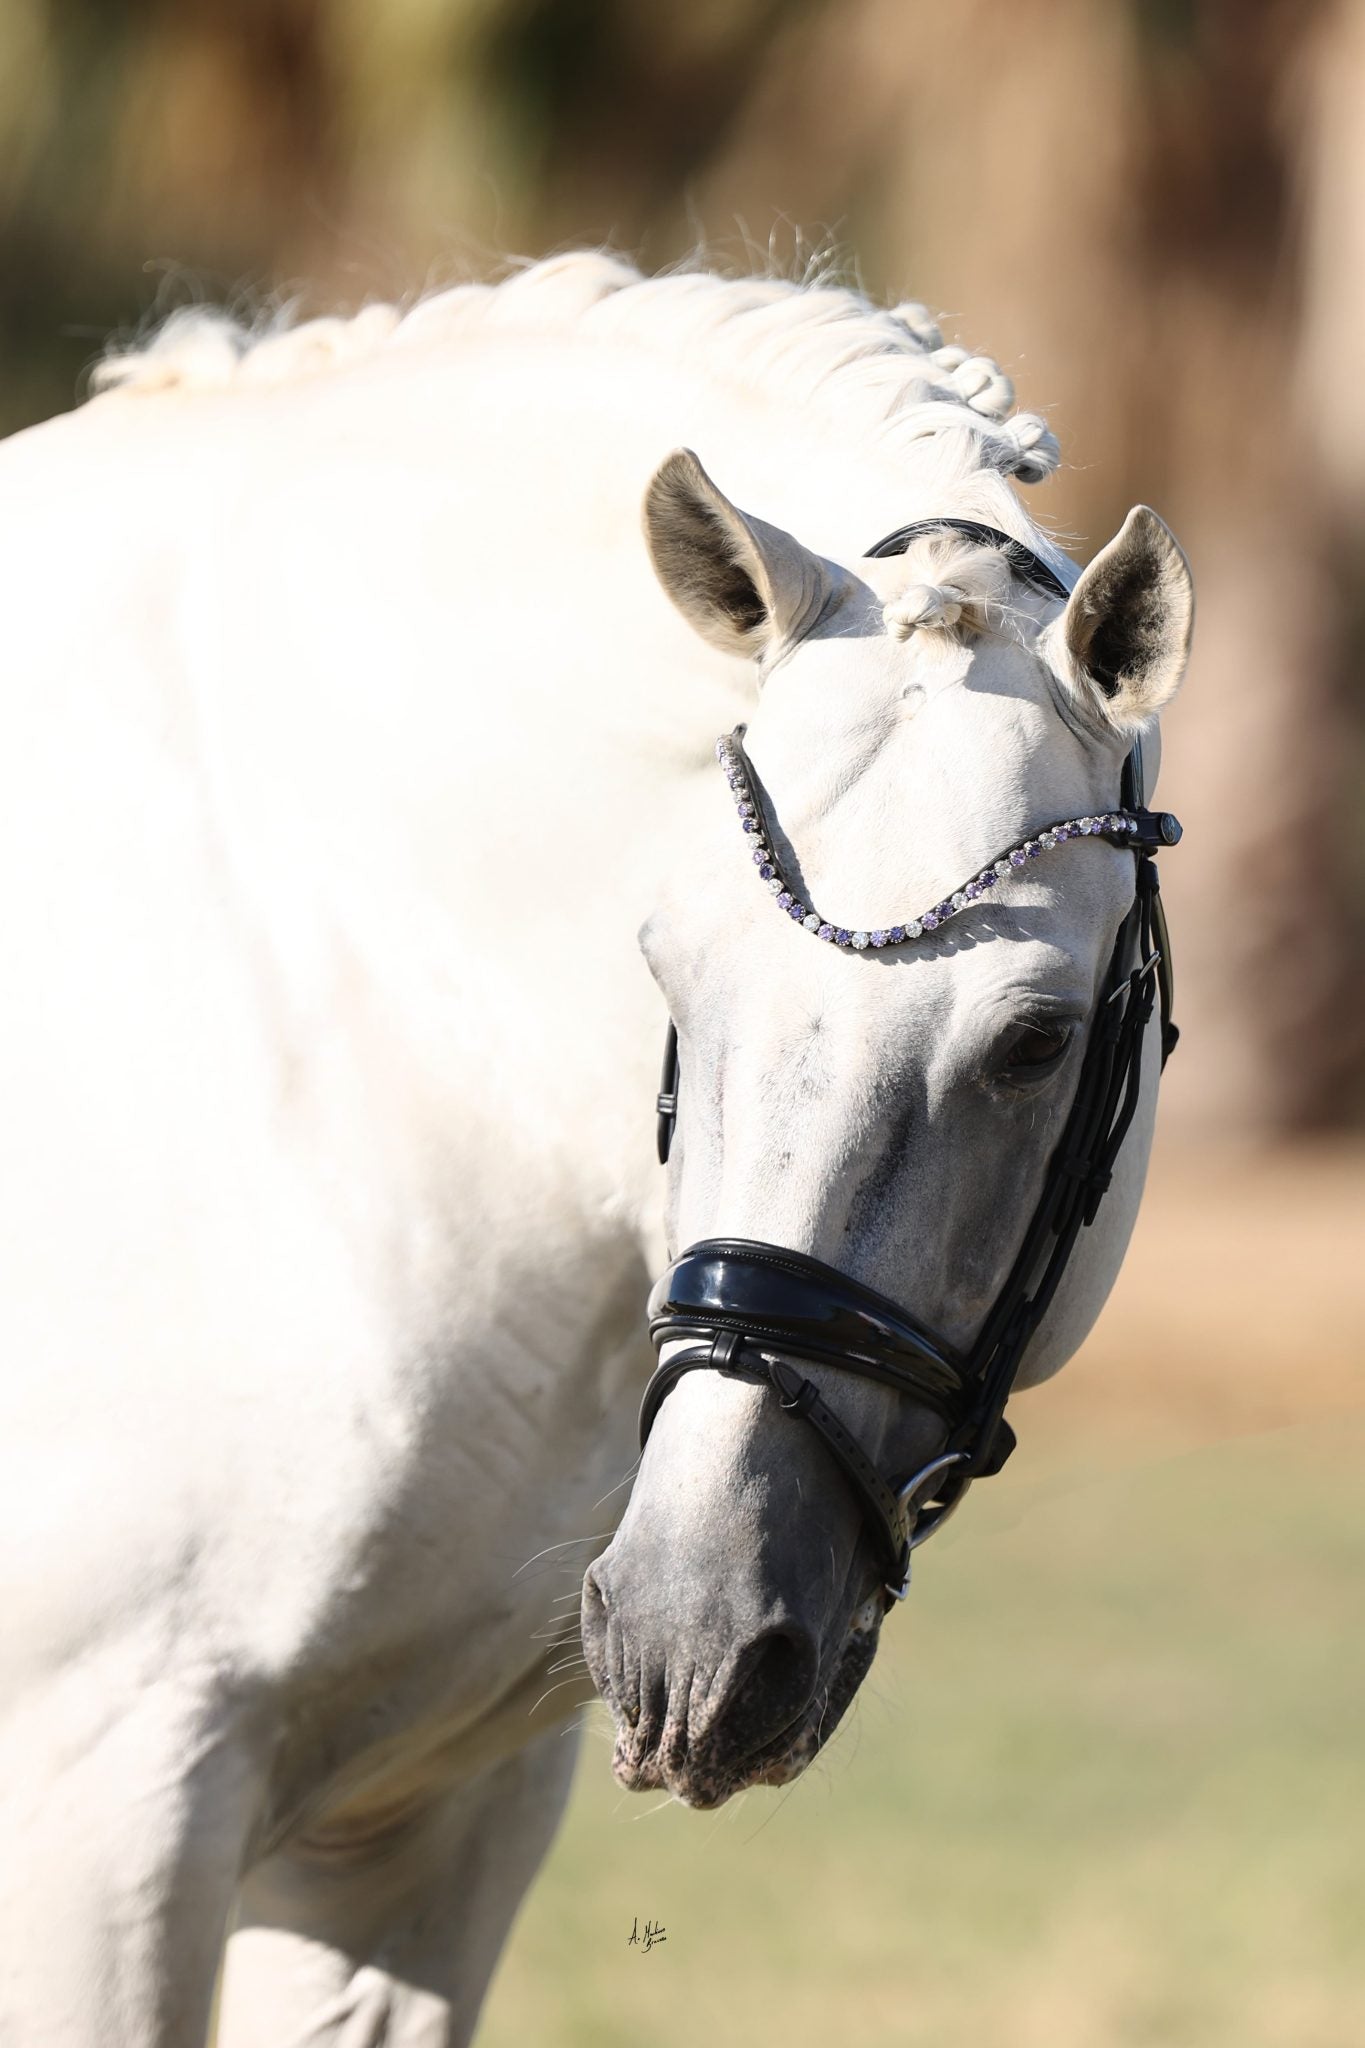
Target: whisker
point(727, 1815)
point(558, 1687)
point(629, 1480)
point(669, 1799)
point(568, 1544)
point(769, 1818)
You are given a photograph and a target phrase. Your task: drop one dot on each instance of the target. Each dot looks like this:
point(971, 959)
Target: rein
point(749, 1309)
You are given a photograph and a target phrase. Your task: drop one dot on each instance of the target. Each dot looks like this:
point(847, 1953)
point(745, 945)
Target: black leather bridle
point(750, 1309)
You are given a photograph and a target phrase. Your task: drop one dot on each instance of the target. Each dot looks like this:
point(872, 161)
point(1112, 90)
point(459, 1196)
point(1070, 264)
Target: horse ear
point(1126, 629)
point(745, 586)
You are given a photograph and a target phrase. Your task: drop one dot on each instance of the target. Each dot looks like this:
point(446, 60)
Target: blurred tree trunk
point(1261, 744)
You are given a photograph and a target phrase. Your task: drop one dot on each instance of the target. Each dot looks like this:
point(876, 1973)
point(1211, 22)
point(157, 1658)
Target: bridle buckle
point(796, 1396)
point(1135, 980)
point(726, 1346)
point(905, 1496)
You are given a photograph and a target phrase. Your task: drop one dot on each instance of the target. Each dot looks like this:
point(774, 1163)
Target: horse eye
point(1035, 1046)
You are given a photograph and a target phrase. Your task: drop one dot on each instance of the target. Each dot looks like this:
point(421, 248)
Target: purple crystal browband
point(1120, 828)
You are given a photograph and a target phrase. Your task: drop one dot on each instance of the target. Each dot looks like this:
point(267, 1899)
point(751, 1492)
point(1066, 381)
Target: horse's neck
point(454, 732)
point(461, 735)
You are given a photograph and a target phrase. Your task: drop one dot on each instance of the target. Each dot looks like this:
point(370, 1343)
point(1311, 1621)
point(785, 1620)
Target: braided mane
point(888, 368)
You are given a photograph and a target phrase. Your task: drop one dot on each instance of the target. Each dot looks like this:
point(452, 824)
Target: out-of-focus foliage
point(1152, 210)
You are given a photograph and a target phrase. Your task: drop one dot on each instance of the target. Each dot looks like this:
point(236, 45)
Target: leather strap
point(798, 1305)
point(667, 1103)
point(734, 1355)
point(1030, 568)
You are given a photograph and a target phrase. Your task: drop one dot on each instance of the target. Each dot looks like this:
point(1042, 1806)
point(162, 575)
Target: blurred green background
point(1105, 1785)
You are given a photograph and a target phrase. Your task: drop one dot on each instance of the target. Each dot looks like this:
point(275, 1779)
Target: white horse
point(351, 740)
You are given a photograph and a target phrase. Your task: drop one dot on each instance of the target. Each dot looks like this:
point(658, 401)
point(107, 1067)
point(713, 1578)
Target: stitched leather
point(805, 1309)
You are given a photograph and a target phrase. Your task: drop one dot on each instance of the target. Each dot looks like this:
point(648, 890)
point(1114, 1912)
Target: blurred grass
point(1105, 1787)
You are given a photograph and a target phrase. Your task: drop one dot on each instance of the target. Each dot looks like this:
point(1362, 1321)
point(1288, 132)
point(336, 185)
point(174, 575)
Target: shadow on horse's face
point(872, 1121)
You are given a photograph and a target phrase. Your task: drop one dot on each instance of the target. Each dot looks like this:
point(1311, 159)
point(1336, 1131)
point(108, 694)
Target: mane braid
point(810, 341)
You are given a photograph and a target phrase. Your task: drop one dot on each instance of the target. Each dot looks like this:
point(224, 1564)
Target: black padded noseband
point(786, 1298)
point(749, 1309)
point(752, 1308)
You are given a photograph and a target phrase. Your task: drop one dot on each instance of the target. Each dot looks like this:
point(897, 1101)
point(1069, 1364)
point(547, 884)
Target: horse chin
point(701, 1776)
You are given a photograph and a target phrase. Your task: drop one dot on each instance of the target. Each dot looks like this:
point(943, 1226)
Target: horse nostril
point(592, 1627)
point(594, 1599)
point(773, 1685)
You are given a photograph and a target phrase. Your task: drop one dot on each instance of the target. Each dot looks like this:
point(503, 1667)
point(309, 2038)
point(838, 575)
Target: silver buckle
point(1149, 966)
point(905, 1496)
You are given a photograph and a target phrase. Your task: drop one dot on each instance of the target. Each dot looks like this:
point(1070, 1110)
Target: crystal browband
point(1128, 828)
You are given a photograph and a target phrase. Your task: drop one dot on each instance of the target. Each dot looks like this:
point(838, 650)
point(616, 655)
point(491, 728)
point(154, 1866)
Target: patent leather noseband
point(757, 1312)
point(749, 1309)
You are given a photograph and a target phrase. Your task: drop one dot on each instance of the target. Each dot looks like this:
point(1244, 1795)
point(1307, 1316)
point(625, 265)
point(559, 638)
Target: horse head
point(874, 1090)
